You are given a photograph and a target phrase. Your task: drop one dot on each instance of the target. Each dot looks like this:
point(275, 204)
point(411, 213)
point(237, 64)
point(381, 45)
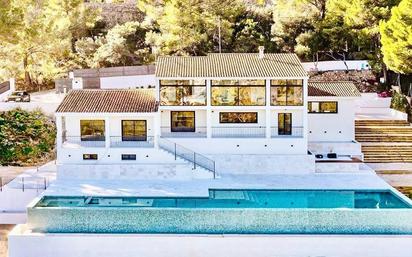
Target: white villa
point(227, 156)
point(240, 117)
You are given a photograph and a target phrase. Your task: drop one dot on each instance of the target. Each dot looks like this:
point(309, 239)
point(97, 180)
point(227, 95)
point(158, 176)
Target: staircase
point(197, 160)
point(385, 141)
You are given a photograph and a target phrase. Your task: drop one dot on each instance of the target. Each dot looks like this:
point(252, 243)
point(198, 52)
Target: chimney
point(261, 52)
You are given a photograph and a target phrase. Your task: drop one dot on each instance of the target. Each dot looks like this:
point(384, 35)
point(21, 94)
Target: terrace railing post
point(45, 183)
point(194, 160)
point(214, 170)
point(22, 182)
point(175, 152)
point(1, 184)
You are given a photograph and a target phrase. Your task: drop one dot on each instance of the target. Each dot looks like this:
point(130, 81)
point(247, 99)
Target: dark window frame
point(177, 86)
point(272, 85)
point(145, 138)
point(128, 157)
point(238, 94)
point(90, 157)
point(320, 102)
point(194, 122)
point(223, 122)
point(93, 137)
point(285, 132)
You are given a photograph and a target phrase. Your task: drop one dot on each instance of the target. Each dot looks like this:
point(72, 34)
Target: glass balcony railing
point(131, 141)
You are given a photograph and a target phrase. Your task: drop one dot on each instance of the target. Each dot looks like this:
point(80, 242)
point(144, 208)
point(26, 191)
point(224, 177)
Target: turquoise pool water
point(242, 199)
point(229, 211)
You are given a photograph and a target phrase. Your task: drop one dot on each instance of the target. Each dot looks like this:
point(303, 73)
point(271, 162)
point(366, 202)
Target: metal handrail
point(187, 154)
point(24, 183)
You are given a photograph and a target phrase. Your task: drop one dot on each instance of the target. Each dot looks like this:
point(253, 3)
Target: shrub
point(26, 137)
point(400, 102)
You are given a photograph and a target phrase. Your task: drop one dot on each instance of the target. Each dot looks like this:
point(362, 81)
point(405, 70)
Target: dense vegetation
point(41, 40)
point(26, 137)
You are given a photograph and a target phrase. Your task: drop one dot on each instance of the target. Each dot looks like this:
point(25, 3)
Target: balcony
point(295, 132)
point(238, 132)
point(115, 141)
point(198, 132)
point(76, 141)
point(131, 141)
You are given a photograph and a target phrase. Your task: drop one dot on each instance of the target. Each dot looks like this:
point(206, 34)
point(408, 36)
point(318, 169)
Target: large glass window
point(182, 92)
point(323, 107)
point(134, 130)
point(286, 92)
point(92, 130)
point(238, 92)
point(238, 117)
point(183, 121)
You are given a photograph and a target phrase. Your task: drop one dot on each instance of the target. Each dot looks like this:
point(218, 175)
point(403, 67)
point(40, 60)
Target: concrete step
point(382, 122)
point(393, 172)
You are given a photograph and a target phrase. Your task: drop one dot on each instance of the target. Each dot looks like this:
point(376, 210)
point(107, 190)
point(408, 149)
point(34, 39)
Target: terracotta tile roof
point(339, 88)
point(109, 100)
point(234, 65)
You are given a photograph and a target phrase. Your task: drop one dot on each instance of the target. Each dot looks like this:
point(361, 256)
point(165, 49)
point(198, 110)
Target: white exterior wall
point(122, 82)
point(115, 122)
point(215, 117)
point(336, 65)
point(333, 126)
point(23, 243)
point(77, 83)
point(200, 116)
point(297, 117)
point(267, 118)
point(72, 153)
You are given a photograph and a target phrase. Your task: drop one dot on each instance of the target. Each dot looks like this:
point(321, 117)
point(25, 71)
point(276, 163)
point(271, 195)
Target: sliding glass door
point(285, 123)
point(134, 130)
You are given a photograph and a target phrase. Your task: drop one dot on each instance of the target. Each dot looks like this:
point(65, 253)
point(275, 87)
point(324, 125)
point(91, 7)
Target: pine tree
point(396, 37)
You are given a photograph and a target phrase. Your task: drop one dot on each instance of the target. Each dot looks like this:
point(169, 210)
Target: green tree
point(190, 26)
point(253, 29)
point(123, 45)
point(362, 18)
point(42, 45)
point(396, 37)
point(26, 137)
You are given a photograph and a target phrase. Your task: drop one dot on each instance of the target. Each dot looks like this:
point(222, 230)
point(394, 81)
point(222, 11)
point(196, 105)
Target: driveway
point(47, 101)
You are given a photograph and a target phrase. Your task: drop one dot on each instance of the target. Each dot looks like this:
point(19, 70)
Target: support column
point(60, 131)
point(268, 111)
point(156, 129)
point(209, 109)
point(305, 113)
point(107, 131)
point(209, 122)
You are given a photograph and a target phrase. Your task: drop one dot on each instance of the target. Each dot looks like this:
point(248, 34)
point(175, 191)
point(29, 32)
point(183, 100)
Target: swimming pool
point(228, 211)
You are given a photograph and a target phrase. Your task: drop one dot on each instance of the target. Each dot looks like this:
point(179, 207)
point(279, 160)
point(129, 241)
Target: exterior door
point(285, 123)
point(182, 121)
point(134, 130)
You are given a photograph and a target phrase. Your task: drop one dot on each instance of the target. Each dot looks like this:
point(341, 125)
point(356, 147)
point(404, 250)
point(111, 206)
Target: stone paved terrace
point(200, 187)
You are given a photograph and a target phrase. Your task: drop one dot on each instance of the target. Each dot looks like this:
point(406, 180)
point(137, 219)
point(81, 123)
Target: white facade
point(245, 144)
point(338, 126)
point(336, 65)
